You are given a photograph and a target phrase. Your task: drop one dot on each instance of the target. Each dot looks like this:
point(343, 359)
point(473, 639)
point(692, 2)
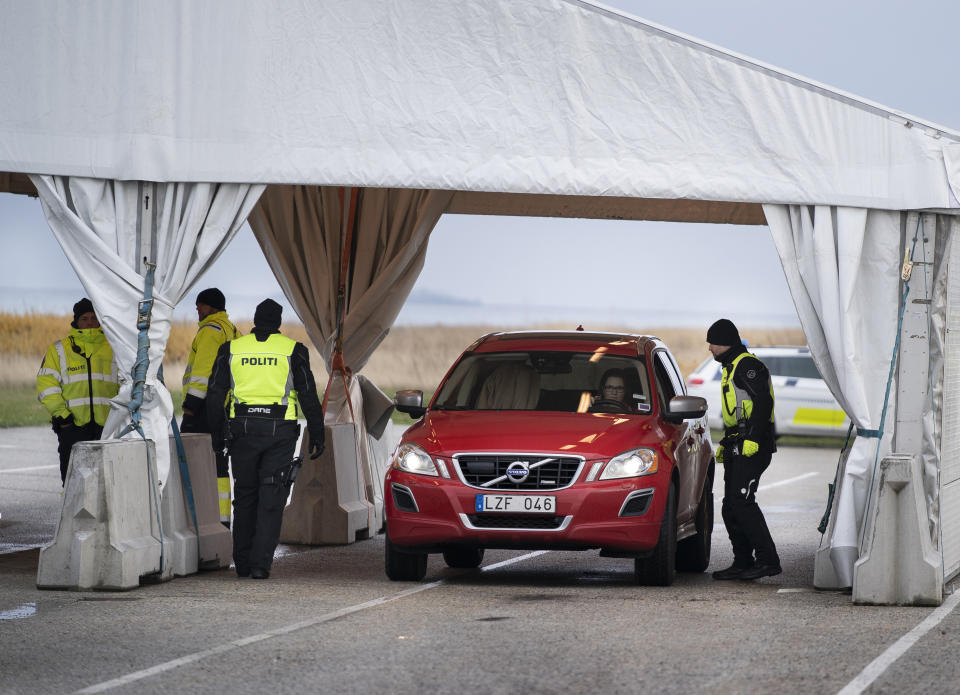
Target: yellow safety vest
point(214, 331)
point(735, 403)
point(260, 374)
point(78, 377)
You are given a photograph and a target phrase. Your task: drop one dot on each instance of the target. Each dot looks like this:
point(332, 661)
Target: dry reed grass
point(410, 356)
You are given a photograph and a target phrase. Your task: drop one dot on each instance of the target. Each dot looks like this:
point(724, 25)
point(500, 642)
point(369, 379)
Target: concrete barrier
point(107, 537)
point(899, 564)
point(179, 536)
point(214, 542)
point(328, 505)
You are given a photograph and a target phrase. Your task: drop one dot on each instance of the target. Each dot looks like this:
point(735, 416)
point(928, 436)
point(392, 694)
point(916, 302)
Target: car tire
point(401, 566)
point(693, 553)
point(463, 558)
point(660, 568)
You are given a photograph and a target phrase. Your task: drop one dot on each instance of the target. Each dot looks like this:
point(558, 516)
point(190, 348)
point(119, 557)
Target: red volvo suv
point(554, 440)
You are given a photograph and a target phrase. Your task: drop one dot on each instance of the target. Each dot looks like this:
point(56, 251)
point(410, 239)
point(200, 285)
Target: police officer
point(746, 403)
point(213, 331)
point(265, 381)
point(76, 381)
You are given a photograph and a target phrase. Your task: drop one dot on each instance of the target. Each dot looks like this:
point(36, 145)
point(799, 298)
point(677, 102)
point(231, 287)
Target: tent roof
point(546, 97)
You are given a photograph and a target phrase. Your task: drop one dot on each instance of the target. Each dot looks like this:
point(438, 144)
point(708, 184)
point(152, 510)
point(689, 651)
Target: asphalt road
point(329, 621)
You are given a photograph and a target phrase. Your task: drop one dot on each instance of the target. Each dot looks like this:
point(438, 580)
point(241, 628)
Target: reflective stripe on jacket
point(736, 405)
point(78, 376)
point(260, 373)
point(213, 331)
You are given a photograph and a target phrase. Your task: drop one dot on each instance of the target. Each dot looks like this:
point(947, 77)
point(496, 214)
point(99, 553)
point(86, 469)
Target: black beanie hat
point(267, 315)
point(212, 297)
point(723, 332)
point(79, 309)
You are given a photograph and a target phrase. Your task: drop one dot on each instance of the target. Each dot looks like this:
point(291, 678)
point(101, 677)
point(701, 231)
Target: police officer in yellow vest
point(76, 381)
point(745, 451)
point(213, 331)
point(265, 382)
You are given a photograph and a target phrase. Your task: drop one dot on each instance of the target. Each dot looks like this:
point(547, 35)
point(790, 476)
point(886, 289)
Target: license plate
point(517, 504)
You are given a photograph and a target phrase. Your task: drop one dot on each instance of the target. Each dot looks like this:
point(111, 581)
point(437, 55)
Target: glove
point(750, 447)
point(718, 454)
point(316, 445)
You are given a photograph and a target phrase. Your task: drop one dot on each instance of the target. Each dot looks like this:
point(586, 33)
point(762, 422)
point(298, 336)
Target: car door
point(687, 436)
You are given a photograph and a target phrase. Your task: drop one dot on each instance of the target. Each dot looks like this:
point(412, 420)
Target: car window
point(797, 366)
point(549, 380)
point(668, 383)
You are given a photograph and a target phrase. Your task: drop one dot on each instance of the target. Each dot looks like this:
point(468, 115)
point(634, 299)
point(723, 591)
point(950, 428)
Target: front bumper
point(598, 514)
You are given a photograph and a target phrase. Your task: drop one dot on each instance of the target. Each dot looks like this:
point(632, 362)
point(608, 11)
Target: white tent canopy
point(559, 107)
point(550, 96)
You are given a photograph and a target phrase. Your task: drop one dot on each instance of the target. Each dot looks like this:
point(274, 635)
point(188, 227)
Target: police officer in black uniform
point(745, 451)
point(264, 381)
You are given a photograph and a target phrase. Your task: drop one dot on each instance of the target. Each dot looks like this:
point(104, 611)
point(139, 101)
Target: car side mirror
point(410, 401)
point(683, 408)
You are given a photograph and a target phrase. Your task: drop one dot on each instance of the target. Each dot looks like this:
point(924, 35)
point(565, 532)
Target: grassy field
point(410, 356)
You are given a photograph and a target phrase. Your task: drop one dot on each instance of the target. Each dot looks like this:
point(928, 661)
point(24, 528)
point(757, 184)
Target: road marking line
point(876, 667)
point(787, 481)
point(513, 560)
point(244, 641)
point(24, 470)
point(24, 611)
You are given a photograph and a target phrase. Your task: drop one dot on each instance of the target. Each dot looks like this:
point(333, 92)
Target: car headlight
point(414, 459)
point(631, 464)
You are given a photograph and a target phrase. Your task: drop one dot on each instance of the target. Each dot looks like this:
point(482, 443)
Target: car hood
point(593, 435)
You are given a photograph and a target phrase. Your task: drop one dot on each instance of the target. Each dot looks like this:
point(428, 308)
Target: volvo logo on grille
point(518, 471)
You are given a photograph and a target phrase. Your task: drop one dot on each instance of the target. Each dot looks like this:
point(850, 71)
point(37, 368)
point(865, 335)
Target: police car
point(804, 404)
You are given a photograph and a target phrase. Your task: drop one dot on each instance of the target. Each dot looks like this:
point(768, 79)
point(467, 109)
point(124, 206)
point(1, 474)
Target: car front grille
point(546, 472)
point(521, 521)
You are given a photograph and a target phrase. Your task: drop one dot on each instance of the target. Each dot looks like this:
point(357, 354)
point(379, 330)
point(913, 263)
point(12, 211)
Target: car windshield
point(572, 382)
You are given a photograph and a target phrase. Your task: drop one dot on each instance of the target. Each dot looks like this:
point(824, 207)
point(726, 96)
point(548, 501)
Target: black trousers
point(258, 455)
point(745, 523)
point(70, 435)
point(198, 424)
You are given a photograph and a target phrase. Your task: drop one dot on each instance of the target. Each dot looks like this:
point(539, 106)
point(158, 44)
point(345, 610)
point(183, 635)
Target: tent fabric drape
point(842, 266)
point(97, 222)
point(301, 230)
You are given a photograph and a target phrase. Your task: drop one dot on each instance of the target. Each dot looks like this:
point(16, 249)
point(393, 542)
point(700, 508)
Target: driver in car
point(613, 390)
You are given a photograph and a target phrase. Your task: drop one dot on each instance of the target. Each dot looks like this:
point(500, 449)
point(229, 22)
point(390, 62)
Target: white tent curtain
point(843, 269)
point(102, 228)
point(302, 230)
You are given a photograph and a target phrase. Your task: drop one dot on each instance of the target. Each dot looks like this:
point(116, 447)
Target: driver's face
point(614, 389)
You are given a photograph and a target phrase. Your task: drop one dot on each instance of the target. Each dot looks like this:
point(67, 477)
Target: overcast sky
point(898, 54)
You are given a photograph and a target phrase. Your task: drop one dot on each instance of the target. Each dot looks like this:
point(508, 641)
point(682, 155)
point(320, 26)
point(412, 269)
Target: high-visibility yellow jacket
point(214, 331)
point(260, 375)
point(748, 400)
point(78, 377)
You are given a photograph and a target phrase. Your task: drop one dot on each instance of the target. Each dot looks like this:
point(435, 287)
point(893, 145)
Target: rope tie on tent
point(184, 468)
point(139, 374)
point(878, 434)
point(337, 364)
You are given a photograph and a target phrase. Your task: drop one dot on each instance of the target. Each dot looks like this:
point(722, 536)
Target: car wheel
point(693, 553)
point(463, 558)
point(403, 567)
point(660, 568)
